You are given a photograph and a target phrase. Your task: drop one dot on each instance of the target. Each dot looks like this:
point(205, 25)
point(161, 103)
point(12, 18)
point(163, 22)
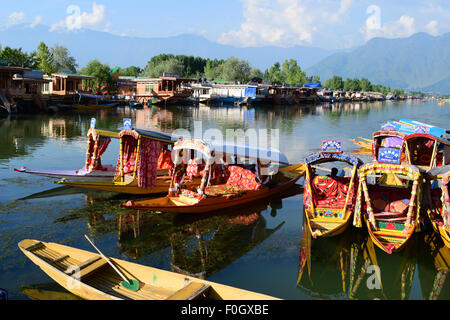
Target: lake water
point(257, 249)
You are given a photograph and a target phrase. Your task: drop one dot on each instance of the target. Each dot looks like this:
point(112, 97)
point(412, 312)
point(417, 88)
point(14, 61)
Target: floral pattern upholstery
point(330, 192)
point(242, 178)
point(165, 160)
point(195, 168)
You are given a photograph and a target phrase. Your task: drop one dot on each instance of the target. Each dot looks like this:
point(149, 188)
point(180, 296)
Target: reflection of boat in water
point(349, 267)
point(201, 245)
point(324, 265)
point(48, 291)
point(222, 186)
point(90, 276)
point(329, 200)
point(93, 170)
point(434, 266)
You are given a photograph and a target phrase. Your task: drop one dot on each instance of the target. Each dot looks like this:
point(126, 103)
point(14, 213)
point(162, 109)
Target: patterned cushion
point(194, 169)
point(165, 160)
point(242, 178)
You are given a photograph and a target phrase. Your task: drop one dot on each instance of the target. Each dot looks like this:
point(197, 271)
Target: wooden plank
point(33, 246)
point(87, 262)
point(189, 292)
point(58, 259)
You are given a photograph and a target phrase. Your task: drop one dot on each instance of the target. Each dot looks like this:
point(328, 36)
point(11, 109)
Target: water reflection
point(351, 267)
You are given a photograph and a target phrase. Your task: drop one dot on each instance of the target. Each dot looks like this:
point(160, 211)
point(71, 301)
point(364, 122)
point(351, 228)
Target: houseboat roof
point(13, 68)
point(72, 75)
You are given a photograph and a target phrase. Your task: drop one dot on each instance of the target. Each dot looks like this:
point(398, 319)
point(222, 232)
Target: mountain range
point(419, 62)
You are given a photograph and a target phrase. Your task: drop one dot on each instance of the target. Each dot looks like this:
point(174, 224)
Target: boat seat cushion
point(195, 168)
point(242, 178)
point(390, 200)
point(223, 190)
point(165, 160)
point(330, 192)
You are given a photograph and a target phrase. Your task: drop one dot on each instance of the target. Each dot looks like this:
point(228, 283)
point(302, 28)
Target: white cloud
point(403, 27)
point(36, 21)
point(15, 18)
point(284, 22)
point(77, 20)
point(432, 28)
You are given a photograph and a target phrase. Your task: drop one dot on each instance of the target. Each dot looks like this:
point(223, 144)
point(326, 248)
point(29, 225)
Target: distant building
point(68, 84)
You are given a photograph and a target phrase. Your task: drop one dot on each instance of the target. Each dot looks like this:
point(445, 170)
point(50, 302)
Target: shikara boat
point(222, 186)
point(89, 276)
point(143, 165)
point(329, 200)
point(438, 204)
point(390, 204)
point(93, 170)
point(89, 102)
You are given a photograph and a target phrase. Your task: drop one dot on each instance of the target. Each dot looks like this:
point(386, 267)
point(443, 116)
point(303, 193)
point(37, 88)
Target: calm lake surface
point(260, 248)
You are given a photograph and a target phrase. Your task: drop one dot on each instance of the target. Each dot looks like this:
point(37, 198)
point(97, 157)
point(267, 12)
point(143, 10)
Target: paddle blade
point(130, 285)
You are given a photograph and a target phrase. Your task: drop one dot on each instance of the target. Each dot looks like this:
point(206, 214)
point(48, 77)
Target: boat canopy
point(153, 135)
point(404, 169)
point(321, 157)
point(214, 150)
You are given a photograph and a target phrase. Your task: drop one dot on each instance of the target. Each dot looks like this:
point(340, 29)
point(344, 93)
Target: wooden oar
point(127, 283)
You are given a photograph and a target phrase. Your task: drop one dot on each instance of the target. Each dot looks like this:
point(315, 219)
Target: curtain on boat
point(97, 146)
point(148, 162)
point(127, 156)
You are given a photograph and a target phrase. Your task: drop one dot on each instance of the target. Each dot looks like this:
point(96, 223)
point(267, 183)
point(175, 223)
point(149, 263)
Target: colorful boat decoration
point(329, 200)
point(90, 276)
point(390, 205)
point(93, 170)
point(428, 152)
point(221, 187)
point(438, 204)
point(142, 167)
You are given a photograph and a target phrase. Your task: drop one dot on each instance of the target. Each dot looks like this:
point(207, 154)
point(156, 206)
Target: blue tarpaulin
point(250, 92)
point(313, 85)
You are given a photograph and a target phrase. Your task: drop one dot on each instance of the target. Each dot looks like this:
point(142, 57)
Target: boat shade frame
point(321, 157)
point(410, 171)
point(153, 135)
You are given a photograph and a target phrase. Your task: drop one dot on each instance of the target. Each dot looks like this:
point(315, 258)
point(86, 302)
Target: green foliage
point(18, 58)
point(101, 72)
point(365, 85)
point(289, 73)
point(235, 70)
point(62, 59)
point(335, 83)
point(352, 85)
point(44, 59)
point(131, 71)
point(157, 66)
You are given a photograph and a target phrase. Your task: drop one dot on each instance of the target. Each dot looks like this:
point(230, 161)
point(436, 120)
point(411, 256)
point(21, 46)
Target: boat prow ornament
point(331, 146)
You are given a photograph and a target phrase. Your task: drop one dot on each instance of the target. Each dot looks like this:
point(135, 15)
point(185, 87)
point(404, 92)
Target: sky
point(330, 24)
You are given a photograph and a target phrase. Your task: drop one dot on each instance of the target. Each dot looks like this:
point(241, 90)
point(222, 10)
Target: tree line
point(58, 59)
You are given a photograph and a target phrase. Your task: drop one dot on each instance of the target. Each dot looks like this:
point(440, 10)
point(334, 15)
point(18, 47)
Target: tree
point(275, 74)
point(235, 70)
point(292, 73)
point(62, 59)
point(366, 85)
point(352, 85)
point(17, 58)
point(101, 72)
point(44, 59)
point(155, 68)
point(132, 71)
point(335, 83)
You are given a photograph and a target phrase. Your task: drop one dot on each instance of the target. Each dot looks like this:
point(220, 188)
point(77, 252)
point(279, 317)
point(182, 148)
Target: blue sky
point(320, 23)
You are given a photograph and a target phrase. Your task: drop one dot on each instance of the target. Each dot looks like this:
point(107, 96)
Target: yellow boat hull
point(103, 283)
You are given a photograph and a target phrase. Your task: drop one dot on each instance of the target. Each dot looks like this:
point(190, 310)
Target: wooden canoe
point(95, 279)
point(184, 204)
